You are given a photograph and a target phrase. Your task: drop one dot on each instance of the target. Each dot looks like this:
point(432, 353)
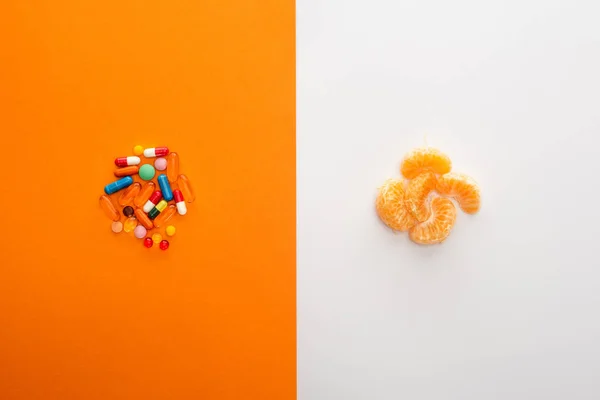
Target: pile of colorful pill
point(147, 206)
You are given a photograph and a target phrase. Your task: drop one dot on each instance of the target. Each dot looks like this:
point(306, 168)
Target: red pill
point(152, 201)
point(125, 161)
point(148, 242)
point(156, 152)
point(164, 245)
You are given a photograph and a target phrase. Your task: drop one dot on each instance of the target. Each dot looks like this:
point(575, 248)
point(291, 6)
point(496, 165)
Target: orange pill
point(131, 170)
point(142, 217)
point(109, 208)
point(129, 193)
point(165, 216)
point(185, 186)
point(144, 194)
point(172, 167)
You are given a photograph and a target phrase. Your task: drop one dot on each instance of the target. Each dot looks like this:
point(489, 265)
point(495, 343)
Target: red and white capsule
point(156, 152)
point(152, 201)
point(179, 202)
point(125, 161)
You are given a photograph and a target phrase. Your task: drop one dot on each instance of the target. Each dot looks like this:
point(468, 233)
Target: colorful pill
point(139, 232)
point(148, 242)
point(165, 216)
point(170, 230)
point(143, 219)
point(117, 227)
point(156, 152)
point(178, 196)
point(172, 167)
point(160, 163)
point(163, 182)
point(128, 194)
point(125, 161)
point(127, 171)
point(164, 244)
point(109, 208)
point(156, 238)
point(186, 188)
point(138, 150)
point(118, 185)
point(128, 211)
point(152, 201)
point(130, 224)
point(157, 209)
point(144, 194)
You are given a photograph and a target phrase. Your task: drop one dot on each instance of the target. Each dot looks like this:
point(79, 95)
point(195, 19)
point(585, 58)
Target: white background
point(508, 307)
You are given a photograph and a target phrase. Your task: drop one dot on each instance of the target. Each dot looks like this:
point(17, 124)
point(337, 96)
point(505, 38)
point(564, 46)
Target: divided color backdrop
point(281, 282)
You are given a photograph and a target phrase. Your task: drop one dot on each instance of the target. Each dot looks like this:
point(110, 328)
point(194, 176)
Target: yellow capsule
point(165, 216)
point(109, 208)
point(172, 167)
point(144, 194)
point(130, 224)
point(156, 238)
point(185, 186)
point(129, 193)
point(161, 205)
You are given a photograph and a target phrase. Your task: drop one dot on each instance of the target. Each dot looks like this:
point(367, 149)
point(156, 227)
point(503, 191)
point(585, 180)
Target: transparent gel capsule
point(109, 208)
point(129, 193)
point(185, 186)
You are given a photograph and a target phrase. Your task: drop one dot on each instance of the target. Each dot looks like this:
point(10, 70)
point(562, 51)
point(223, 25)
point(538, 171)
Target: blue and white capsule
point(118, 185)
point(165, 187)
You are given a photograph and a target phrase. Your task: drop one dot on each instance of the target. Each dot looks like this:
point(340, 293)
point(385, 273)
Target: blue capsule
point(165, 188)
point(118, 185)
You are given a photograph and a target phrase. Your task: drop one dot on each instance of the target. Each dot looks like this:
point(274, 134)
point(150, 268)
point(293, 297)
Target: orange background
point(88, 314)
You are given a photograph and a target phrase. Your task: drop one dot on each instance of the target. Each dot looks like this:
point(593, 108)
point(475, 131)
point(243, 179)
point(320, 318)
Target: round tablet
point(139, 232)
point(128, 211)
point(156, 238)
point(117, 226)
point(170, 230)
point(160, 164)
point(138, 150)
point(147, 172)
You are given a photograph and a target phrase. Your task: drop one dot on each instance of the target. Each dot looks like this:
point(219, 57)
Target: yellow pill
point(170, 230)
point(130, 224)
point(156, 238)
point(138, 150)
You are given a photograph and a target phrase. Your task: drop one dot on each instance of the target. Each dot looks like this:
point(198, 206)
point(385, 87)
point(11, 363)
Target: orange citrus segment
point(438, 226)
point(417, 192)
point(425, 159)
point(463, 188)
point(390, 206)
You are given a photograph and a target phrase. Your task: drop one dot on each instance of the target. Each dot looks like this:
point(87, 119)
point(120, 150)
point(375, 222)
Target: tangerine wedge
point(437, 228)
point(417, 192)
point(425, 159)
point(463, 188)
point(390, 206)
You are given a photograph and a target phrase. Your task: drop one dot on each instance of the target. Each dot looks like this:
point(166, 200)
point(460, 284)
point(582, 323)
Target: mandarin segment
point(463, 188)
point(439, 225)
point(417, 193)
point(425, 159)
point(390, 206)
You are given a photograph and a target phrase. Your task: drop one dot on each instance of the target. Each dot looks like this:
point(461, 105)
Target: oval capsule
point(109, 208)
point(144, 194)
point(152, 201)
point(126, 161)
point(156, 152)
point(143, 219)
point(172, 167)
point(165, 216)
point(127, 171)
point(185, 186)
point(118, 185)
point(128, 195)
point(181, 207)
point(165, 187)
point(157, 209)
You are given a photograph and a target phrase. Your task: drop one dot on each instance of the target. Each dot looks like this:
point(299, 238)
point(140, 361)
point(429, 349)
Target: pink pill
point(139, 232)
point(160, 164)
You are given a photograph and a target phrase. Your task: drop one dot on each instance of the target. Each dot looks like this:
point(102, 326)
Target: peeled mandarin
point(425, 159)
point(416, 195)
point(390, 206)
point(439, 224)
point(463, 188)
